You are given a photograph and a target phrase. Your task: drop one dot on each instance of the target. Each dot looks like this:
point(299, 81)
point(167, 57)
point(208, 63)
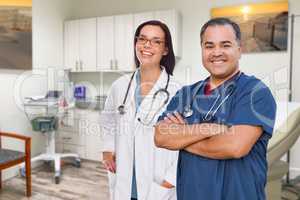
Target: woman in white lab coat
point(137, 168)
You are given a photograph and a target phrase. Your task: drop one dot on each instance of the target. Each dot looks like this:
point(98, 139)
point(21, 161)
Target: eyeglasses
point(153, 42)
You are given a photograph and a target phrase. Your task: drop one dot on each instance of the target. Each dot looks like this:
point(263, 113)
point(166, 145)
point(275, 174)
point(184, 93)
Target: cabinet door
point(172, 20)
point(92, 132)
point(139, 18)
point(73, 137)
point(71, 44)
point(124, 42)
point(105, 42)
point(93, 146)
point(87, 44)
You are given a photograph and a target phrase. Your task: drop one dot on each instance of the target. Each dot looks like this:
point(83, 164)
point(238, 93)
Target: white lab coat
point(121, 133)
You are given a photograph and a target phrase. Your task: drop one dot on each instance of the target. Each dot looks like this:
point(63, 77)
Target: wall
point(271, 67)
point(47, 26)
point(295, 159)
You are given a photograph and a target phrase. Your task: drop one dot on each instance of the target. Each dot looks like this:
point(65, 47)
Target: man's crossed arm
point(210, 140)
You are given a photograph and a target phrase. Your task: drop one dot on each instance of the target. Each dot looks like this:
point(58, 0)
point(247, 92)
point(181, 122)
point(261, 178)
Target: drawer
point(79, 125)
point(80, 150)
point(71, 137)
point(94, 147)
point(90, 128)
point(69, 124)
point(58, 147)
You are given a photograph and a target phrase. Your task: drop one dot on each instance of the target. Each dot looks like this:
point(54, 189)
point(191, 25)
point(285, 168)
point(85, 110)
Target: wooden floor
point(86, 183)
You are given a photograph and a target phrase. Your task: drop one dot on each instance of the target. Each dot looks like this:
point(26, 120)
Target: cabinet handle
point(81, 65)
point(76, 65)
point(111, 64)
point(66, 138)
point(116, 64)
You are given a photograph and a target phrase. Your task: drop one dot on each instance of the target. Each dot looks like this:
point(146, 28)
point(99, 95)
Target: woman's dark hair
point(168, 61)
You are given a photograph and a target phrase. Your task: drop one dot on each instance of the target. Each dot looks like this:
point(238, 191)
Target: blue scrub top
point(198, 177)
point(138, 100)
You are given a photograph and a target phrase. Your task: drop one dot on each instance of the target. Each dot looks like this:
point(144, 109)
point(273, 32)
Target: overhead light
point(246, 9)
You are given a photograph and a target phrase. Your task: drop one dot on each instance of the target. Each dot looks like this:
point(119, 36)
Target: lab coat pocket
point(158, 192)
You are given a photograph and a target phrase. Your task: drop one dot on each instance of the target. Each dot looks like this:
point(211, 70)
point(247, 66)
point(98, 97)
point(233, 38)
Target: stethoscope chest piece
point(121, 109)
point(187, 111)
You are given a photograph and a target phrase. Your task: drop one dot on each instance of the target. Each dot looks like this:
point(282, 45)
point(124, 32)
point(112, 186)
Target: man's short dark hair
point(221, 21)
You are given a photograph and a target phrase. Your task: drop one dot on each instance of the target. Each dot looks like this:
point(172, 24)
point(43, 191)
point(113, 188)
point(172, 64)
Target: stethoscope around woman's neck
point(121, 108)
point(230, 87)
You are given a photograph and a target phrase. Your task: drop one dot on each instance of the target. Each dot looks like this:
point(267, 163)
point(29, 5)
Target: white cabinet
point(105, 43)
point(70, 138)
point(80, 133)
point(173, 20)
point(71, 44)
point(87, 44)
point(115, 43)
point(93, 137)
point(124, 42)
point(80, 44)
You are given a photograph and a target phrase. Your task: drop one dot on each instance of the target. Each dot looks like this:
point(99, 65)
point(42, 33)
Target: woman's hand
point(166, 184)
point(109, 161)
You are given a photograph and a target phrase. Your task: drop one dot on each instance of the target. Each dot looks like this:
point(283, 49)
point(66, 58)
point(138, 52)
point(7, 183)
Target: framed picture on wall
point(16, 34)
point(264, 26)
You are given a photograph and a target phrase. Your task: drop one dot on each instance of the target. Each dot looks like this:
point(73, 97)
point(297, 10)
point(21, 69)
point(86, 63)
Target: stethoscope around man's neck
point(121, 108)
point(230, 87)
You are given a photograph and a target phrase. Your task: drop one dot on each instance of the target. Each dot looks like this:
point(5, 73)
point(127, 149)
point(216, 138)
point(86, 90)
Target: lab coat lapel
point(149, 107)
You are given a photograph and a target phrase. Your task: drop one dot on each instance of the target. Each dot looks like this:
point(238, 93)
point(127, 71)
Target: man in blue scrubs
point(221, 125)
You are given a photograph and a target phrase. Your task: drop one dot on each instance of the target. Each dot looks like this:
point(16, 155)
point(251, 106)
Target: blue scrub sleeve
point(255, 106)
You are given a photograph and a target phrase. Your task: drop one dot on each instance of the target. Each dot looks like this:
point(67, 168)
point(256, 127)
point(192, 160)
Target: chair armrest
point(14, 135)
point(26, 139)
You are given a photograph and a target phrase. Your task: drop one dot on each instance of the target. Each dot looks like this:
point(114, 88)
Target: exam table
point(285, 135)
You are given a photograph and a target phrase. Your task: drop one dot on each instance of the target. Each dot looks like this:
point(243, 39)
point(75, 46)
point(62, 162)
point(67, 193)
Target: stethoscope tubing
point(187, 112)
point(121, 108)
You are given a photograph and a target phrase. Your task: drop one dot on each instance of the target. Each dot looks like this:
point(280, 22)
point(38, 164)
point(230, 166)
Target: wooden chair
point(9, 158)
